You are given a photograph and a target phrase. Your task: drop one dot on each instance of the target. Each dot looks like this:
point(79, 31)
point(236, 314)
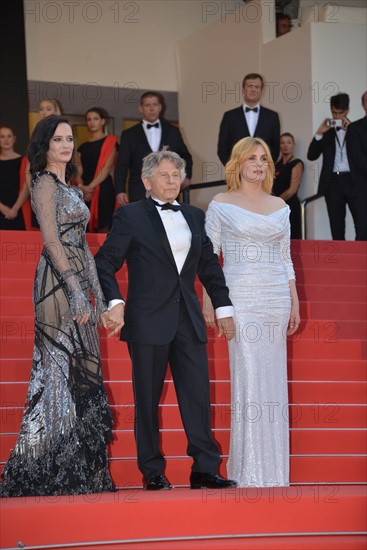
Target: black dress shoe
point(210, 481)
point(156, 483)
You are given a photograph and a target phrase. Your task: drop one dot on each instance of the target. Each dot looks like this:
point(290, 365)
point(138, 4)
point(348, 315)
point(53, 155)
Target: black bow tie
point(255, 109)
point(168, 206)
point(156, 125)
point(339, 128)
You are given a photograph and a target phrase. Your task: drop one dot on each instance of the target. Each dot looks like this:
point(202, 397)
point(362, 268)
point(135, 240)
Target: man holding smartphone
point(336, 181)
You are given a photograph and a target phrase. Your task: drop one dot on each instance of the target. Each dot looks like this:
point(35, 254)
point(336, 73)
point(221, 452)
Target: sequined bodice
point(251, 243)
point(72, 214)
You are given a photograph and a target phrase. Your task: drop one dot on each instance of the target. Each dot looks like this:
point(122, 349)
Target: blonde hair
point(240, 153)
point(55, 104)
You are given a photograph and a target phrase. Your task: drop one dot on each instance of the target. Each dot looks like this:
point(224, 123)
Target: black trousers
point(187, 357)
point(340, 193)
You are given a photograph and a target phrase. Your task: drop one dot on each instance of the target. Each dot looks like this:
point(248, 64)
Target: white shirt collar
point(257, 105)
point(145, 122)
point(163, 202)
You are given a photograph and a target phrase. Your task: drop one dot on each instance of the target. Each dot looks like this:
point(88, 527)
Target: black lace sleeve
point(43, 195)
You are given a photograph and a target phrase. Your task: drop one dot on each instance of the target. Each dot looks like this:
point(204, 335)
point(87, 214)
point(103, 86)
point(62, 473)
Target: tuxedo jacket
point(155, 287)
point(357, 154)
point(234, 127)
point(326, 147)
point(134, 147)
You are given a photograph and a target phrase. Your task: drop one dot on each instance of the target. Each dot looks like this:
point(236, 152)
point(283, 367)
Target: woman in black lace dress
point(66, 424)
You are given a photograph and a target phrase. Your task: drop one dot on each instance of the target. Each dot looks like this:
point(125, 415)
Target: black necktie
point(255, 109)
point(156, 125)
point(168, 206)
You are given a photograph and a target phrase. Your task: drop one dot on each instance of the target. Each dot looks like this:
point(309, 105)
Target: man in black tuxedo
point(338, 180)
point(151, 134)
point(165, 247)
point(357, 155)
point(251, 119)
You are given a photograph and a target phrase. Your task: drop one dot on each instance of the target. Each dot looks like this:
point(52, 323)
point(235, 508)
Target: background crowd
point(109, 174)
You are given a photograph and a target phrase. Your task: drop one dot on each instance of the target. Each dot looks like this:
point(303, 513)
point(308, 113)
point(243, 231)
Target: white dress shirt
point(179, 237)
point(153, 135)
point(251, 118)
point(341, 163)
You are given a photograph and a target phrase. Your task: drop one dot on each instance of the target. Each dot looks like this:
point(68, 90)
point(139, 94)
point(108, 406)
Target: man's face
point(252, 91)
point(339, 114)
point(150, 109)
point(165, 182)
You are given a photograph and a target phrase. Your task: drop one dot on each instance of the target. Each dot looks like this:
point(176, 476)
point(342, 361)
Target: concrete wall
point(112, 41)
point(302, 69)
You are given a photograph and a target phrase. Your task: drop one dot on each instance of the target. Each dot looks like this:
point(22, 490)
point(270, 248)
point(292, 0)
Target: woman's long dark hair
point(40, 143)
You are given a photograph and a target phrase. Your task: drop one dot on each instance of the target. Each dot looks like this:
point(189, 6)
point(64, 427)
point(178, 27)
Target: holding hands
point(7, 212)
point(113, 319)
point(87, 192)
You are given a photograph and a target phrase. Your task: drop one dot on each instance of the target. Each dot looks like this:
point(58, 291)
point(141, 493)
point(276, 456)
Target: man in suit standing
point(338, 181)
point(151, 134)
point(251, 119)
point(165, 247)
point(357, 155)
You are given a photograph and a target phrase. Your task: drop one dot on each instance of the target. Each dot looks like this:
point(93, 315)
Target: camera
point(335, 123)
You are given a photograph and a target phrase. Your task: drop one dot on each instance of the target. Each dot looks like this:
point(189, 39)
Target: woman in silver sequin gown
point(67, 422)
point(251, 228)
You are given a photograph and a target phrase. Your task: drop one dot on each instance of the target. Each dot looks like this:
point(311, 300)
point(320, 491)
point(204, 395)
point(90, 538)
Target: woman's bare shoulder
point(277, 201)
point(221, 197)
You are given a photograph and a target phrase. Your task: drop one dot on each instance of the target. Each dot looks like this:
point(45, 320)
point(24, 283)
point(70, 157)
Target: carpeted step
point(298, 347)
point(304, 416)
point(174, 442)
point(18, 370)
point(120, 392)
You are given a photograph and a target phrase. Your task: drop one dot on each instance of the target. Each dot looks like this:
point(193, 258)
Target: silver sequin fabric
point(67, 422)
point(257, 268)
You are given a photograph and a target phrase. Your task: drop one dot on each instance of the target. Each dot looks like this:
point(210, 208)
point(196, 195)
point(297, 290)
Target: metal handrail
point(304, 203)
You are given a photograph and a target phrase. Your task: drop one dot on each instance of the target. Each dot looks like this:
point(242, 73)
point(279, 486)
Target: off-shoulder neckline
point(251, 211)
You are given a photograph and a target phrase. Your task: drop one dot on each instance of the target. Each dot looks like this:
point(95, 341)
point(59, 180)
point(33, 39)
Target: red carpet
point(325, 507)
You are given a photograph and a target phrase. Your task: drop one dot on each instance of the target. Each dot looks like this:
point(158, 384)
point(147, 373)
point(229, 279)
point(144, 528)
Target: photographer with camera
point(336, 181)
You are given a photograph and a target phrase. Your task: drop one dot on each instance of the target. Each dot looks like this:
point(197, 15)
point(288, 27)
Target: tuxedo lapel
point(261, 123)
point(243, 122)
point(159, 227)
point(194, 234)
point(142, 138)
point(164, 134)
point(331, 136)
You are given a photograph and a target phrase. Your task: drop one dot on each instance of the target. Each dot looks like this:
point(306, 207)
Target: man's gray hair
point(151, 161)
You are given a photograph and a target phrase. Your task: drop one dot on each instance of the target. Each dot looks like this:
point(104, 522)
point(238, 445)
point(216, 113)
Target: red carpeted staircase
point(324, 508)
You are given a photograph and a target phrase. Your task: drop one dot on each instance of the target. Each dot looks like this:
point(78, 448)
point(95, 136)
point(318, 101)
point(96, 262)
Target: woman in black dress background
point(95, 161)
point(13, 192)
point(288, 176)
